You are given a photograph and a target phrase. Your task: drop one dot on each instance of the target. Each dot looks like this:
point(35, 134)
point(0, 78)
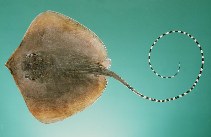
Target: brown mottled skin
point(57, 67)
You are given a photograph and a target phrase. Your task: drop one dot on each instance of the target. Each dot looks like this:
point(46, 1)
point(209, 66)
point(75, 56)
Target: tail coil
point(117, 77)
point(198, 77)
point(200, 72)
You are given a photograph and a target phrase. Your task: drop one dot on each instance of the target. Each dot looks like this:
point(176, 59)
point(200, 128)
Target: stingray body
point(55, 67)
point(61, 66)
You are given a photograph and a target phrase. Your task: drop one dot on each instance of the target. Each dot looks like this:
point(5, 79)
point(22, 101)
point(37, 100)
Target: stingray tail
point(117, 77)
point(149, 56)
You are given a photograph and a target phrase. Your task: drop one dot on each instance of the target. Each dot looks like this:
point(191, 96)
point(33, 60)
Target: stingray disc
point(54, 67)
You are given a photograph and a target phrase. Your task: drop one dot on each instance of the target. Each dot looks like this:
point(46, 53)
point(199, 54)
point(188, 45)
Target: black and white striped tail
point(150, 65)
point(200, 72)
point(114, 75)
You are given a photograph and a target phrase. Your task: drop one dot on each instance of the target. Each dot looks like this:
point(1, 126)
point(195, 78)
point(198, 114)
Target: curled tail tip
point(166, 77)
point(114, 75)
point(179, 67)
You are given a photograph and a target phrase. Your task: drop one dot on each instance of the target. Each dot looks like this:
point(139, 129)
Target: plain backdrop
point(128, 28)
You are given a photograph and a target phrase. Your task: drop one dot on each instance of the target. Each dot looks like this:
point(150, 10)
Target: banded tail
point(117, 77)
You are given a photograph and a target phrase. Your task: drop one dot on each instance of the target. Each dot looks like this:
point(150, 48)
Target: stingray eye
point(27, 76)
point(31, 55)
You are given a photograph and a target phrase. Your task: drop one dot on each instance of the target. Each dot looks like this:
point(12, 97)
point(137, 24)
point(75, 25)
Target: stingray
point(61, 67)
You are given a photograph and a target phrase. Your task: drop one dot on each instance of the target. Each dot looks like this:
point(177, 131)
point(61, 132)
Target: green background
point(128, 28)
